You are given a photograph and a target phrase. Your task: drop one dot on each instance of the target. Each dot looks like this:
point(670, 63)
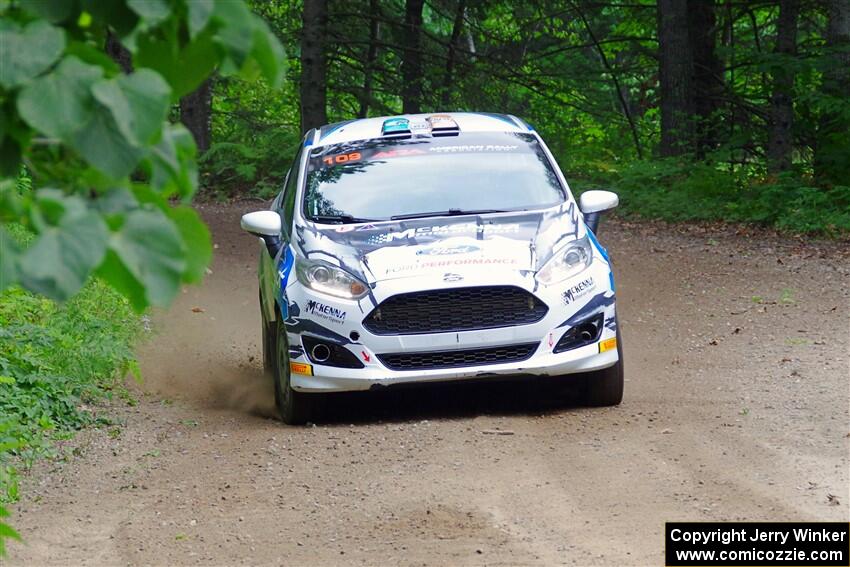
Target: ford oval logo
point(452, 277)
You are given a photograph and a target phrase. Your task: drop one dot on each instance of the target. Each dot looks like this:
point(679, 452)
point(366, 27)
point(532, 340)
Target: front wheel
point(295, 408)
point(268, 332)
point(605, 387)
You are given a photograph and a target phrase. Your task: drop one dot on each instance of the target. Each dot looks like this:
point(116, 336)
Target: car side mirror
point(593, 203)
point(266, 225)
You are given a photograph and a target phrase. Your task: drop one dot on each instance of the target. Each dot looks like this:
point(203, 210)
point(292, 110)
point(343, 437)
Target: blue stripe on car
point(283, 270)
point(602, 251)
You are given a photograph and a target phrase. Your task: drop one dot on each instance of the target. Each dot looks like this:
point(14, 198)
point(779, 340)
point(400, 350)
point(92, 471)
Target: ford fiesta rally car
point(432, 247)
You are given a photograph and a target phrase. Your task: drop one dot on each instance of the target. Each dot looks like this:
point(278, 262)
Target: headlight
point(326, 278)
point(567, 262)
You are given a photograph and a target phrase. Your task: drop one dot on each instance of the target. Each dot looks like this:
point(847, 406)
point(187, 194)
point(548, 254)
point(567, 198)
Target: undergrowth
point(673, 190)
point(55, 361)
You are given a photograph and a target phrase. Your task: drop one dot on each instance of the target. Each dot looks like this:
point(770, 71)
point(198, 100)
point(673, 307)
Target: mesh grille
point(458, 309)
point(457, 358)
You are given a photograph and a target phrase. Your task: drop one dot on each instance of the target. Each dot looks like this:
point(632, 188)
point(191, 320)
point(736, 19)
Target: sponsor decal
point(400, 152)
point(328, 312)
point(452, 263)
point(452, 277)
point(443, 231)
point(472, 148)
point(301, 368)
point(608, 344)
point(447, 250)
point(578, 290)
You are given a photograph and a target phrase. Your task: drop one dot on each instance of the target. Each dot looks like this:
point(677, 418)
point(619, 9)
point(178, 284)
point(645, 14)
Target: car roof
point(370, 128)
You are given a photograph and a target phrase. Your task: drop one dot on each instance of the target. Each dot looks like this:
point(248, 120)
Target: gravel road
point(736, 408)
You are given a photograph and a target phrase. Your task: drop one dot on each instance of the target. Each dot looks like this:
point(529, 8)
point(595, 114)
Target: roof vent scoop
point(396, 128)
point(443, 125)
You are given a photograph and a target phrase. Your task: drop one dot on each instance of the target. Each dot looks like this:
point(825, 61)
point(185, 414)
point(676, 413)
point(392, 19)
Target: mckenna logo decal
point(581, 288)
point(443, 230)
point(325, 311)
point(447, 250)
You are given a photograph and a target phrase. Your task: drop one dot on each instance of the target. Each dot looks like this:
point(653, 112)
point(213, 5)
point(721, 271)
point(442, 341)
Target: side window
point(287, 199)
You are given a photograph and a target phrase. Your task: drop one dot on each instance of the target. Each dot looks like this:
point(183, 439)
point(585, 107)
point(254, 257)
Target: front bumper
point(330, 379)
point(341, 321)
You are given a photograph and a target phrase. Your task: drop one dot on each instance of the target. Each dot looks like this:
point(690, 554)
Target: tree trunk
point(314, 64)
point(196, 115)
point(675, 72)
point(371, 57)
point(448, 79)
point(118, 52)
point(707, 78)
point(780, 142)
point(411, 65)
point(833, 144)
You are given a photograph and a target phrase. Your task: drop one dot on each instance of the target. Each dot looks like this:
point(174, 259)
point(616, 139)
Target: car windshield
point(385, 178)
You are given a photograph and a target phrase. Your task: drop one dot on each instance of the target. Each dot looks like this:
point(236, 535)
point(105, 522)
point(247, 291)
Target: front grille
point(457, 358)
point(457, 309)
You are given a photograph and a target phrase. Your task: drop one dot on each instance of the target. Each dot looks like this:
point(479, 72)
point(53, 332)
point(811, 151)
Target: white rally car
point(423, 248)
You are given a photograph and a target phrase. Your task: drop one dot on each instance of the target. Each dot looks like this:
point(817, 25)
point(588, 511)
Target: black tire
point(605, 387)
point(268, 334)
point(295, 408)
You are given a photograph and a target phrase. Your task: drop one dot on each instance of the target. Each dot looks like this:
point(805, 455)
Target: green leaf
point(60, 259)
point(54, 11)
point(173, 167)
point(10, 157)
point(151, 11)
point(93, 55)
point(6, 532)
point(184, 69)
point(27, 52)
point(236, 34)
point(146, 259)
point(103, 145)
point(9, 255)
point(139, 103)
point(60, 103)
point(115, 273)
point(269, 54)
point(199, 15)
point(196, 240)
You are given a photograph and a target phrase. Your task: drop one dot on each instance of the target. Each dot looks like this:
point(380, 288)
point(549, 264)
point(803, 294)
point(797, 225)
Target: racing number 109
point(341, 158)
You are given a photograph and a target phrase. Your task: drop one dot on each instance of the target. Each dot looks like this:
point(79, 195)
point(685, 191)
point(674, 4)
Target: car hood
point(521, 241)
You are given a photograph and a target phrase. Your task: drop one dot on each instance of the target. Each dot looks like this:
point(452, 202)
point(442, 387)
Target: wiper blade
point(448, 213)
point(340, 219)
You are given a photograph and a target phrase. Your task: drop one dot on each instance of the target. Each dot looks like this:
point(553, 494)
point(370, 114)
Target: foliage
point(681, 190)
point(585, 75)
point(105, 163)
point(255, 133)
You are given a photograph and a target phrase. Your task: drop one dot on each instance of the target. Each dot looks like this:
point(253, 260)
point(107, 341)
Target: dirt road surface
point(736, 408)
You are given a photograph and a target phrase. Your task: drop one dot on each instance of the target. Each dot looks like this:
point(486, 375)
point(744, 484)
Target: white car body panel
point(454, 253)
